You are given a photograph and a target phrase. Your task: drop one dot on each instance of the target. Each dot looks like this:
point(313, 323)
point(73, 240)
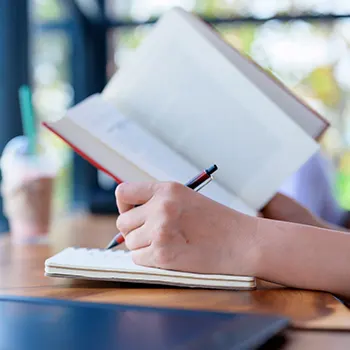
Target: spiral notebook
point(118, 266)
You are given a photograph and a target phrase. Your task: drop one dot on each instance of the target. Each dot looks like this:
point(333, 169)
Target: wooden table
point(319, 321)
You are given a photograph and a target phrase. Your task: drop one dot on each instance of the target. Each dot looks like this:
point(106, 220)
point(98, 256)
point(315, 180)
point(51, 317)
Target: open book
point(118, 266)
point(187, 100)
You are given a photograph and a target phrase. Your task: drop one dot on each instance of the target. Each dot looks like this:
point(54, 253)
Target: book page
point(124, 136)
point(307, 118)
point(180, 88)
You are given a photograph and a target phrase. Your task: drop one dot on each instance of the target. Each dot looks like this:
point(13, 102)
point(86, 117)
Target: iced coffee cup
point(27, 189)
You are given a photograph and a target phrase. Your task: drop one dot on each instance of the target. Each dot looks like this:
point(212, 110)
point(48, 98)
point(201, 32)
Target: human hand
point(179, 229)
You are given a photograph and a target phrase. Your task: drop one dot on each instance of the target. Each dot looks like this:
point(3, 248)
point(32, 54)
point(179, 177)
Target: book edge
point(164, 281)
point(271, 77)
point(81, 153)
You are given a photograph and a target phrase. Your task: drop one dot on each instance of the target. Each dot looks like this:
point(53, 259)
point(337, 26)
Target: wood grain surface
point(319, 320)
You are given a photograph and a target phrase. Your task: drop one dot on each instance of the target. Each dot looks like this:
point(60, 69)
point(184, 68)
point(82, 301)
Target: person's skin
point(177, 228)
point(284, 208)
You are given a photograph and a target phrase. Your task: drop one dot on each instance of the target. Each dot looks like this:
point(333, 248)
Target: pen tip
point(212, 169)
point(111, 245)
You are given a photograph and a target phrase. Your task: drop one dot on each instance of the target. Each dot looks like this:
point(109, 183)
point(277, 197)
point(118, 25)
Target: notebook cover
point(34, 323)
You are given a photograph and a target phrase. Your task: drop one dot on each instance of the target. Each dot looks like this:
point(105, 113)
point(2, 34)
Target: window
point(50, 51)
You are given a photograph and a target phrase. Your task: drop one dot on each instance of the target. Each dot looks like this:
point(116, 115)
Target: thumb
point(130, 194)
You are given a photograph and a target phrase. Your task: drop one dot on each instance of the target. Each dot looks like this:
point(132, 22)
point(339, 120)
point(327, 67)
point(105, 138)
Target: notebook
point(118, 266)
point(171, 111)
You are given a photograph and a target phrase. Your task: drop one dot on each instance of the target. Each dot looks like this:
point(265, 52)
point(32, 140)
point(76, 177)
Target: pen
point(197, 183)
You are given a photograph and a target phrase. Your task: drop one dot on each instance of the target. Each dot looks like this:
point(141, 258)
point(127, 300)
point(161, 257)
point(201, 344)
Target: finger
point(131, 220)
point(130, 194)
point(123, 207)
point(138, 239)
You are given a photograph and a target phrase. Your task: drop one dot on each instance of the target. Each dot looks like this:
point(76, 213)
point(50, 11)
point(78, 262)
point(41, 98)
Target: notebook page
point(102, 260)
point(132, 142)
point(209, 112)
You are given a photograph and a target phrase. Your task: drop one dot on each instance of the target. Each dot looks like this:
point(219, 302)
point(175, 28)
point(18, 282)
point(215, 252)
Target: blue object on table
point(32, 323)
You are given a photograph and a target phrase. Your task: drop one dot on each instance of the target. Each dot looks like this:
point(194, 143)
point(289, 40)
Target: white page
point(307, 118)
point(120, 260)
point(184, 91)
point(124, 136)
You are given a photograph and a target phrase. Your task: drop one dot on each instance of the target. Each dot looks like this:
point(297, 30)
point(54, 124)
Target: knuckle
point(162, 233)
point(169, 209)
point(122, 223)
point(172, 188)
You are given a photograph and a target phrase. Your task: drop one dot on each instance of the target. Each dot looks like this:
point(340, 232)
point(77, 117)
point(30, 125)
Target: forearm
point(305, 217)
point(283, 208)
point(324, 224)
point(304, 256)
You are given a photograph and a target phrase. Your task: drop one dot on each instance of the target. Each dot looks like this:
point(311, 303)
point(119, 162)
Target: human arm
point(311, 187)
point(177, 228)
point(304, 257)
point(284, 208)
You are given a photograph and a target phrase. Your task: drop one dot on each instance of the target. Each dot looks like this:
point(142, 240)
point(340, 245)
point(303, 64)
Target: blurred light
point(312, 5)
point(53, 102)
point(342, 71)
point(267, 8)
point(105, 181)
point(341, 7)
point(292, 47)
point(143, 11)
point(45, 74)
point(342, 27)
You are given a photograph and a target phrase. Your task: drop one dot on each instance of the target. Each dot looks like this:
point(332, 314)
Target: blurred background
point(67, 50)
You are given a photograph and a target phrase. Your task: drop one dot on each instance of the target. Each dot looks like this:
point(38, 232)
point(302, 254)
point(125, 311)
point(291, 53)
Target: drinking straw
point(28, 118)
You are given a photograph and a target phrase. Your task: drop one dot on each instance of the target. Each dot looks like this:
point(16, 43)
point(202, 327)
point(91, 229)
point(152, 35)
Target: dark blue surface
point(29, 323)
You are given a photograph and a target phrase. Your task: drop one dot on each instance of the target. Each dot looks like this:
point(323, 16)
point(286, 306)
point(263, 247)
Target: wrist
point(245, 243)
point(256, 247)
point(274, 249)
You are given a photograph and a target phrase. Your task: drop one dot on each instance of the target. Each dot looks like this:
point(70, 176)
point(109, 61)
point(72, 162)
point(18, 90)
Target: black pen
point(197, 183)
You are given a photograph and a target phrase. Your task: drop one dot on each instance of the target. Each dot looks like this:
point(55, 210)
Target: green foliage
point(132, 38)
point(246, 35)
point(209, 7)
point(49, 9)
point(324, 85)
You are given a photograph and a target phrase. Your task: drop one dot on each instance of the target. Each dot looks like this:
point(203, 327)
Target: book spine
point(83, 155)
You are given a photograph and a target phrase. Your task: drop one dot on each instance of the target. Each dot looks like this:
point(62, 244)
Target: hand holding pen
point(197, 183)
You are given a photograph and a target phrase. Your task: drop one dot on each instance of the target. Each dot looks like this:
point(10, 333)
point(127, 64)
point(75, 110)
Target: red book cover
point(82, 154)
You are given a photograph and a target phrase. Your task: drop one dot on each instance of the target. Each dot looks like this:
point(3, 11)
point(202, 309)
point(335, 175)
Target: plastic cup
point(26, 189)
